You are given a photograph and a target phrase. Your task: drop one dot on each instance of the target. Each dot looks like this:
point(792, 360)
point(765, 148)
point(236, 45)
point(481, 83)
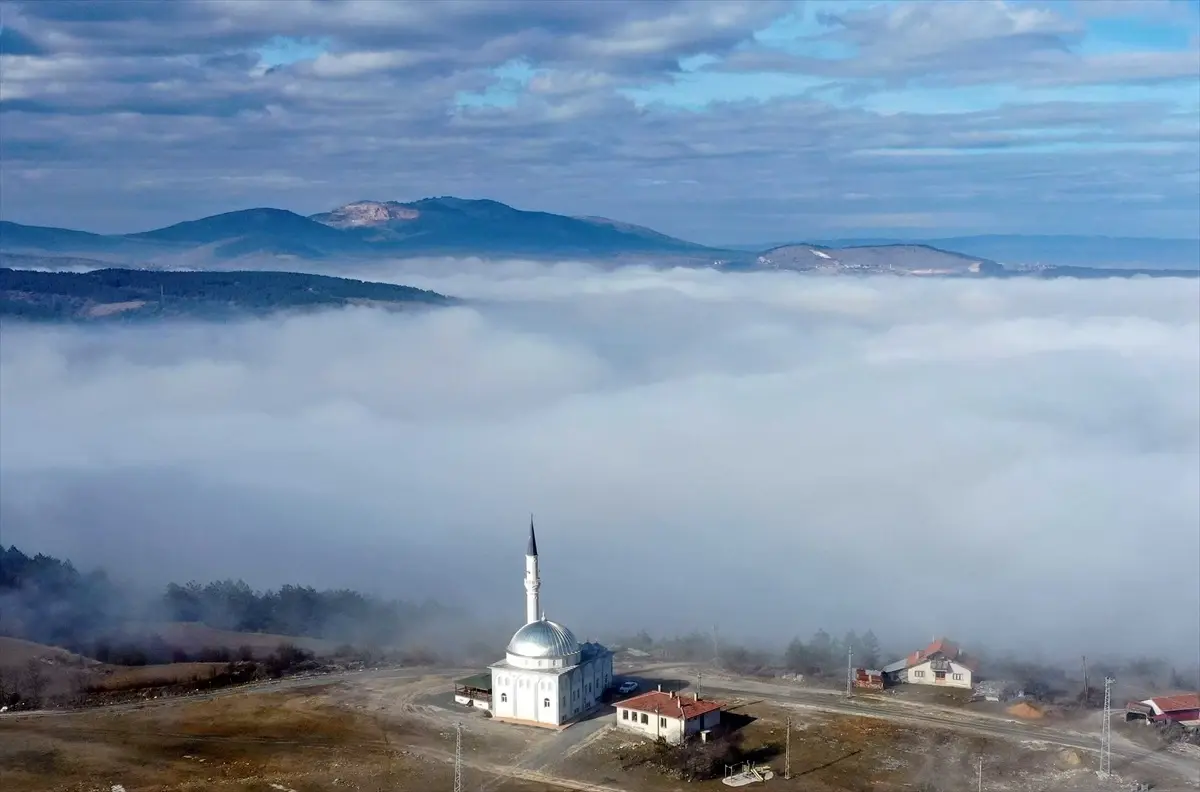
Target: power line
point(458, 780)
point(849, 671)
point(787, 750)
point(1106, 730)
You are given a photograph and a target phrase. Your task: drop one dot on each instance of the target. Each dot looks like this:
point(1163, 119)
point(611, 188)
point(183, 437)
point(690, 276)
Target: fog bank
point(1009, 462)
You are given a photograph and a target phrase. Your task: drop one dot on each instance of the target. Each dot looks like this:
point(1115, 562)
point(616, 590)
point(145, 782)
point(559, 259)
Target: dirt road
point(537, 766)
point(1127, 757)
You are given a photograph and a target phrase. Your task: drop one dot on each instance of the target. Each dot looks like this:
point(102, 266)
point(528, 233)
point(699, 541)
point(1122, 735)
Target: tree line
point(47, 600)
point(821, 655)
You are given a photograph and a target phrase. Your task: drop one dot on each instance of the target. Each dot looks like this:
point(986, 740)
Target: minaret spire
point(533, 580)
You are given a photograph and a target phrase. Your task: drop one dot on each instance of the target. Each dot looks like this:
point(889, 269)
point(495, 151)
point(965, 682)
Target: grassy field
point(50, 676)
point(252, 743)
point(112, 679)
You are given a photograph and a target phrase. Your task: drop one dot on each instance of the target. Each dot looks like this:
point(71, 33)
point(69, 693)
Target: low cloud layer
point(1013, 463)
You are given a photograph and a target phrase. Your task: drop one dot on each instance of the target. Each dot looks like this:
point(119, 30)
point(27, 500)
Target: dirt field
point(250, 742)
point(47, 676)
point(66, 676)
point(395, 731)
point(852, 754)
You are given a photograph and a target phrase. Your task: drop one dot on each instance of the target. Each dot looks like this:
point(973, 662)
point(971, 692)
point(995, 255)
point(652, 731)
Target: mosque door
point(527, 700)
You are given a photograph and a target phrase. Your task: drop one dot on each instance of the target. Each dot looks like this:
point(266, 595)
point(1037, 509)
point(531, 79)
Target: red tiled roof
point(1176, 703)
point(680, 706)
point(947, 648)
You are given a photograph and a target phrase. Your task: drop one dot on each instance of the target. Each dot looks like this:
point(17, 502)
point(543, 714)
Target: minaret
point(532, 580)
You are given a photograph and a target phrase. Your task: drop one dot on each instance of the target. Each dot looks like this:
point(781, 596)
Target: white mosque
point(547, 678)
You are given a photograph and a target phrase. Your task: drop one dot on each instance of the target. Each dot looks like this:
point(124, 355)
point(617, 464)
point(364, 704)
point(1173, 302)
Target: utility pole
point(849, 671)
point(1085, 683)
point(1106, 730)
point(787, 750)
point(699, 681)
point(980, 786)
point(458, 779)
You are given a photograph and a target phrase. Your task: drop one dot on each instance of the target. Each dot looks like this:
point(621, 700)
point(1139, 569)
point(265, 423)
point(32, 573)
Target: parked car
point(628, 686)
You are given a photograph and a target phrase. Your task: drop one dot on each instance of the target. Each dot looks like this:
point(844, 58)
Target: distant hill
point(878, 259)
point(459, 226)
point(361, 231)
point(366, 231)
point(1020, 251)
point(127, 294)
point(257, 231)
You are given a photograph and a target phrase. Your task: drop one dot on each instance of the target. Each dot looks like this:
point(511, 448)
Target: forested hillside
point(125, 294)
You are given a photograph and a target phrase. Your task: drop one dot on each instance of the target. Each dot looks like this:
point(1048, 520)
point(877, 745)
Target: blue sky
point(720, 122)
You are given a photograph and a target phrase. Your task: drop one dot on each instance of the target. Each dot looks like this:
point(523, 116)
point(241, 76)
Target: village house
point(672, 717)
point(1183, 708)
point(942, 663)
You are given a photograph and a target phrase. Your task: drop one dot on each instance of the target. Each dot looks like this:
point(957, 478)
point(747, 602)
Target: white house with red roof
point(672, 717)
point(942, 663)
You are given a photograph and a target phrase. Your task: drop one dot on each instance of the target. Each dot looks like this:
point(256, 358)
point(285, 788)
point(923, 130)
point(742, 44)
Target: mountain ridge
point(366, 230)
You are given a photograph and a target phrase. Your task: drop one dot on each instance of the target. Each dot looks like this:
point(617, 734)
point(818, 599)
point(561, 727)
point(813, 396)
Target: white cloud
point(1010, 450)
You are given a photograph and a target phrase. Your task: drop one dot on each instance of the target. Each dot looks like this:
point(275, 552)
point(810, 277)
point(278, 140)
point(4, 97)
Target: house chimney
point(695, 696)
point(660, 687)
point(672, 694)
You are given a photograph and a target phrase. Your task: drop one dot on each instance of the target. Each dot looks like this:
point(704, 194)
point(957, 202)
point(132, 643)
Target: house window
point(644, 718)
point(662, 722)
point(546, 703)
point(958, 677)
point(503, 697)
point(624, 714)
point(919, 673)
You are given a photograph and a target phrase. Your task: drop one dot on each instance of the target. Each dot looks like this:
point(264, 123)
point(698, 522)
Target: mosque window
point(503, 697)
point(546, 703)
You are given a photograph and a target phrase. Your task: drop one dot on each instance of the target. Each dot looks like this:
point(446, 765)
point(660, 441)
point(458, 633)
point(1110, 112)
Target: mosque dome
point(543, 639)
